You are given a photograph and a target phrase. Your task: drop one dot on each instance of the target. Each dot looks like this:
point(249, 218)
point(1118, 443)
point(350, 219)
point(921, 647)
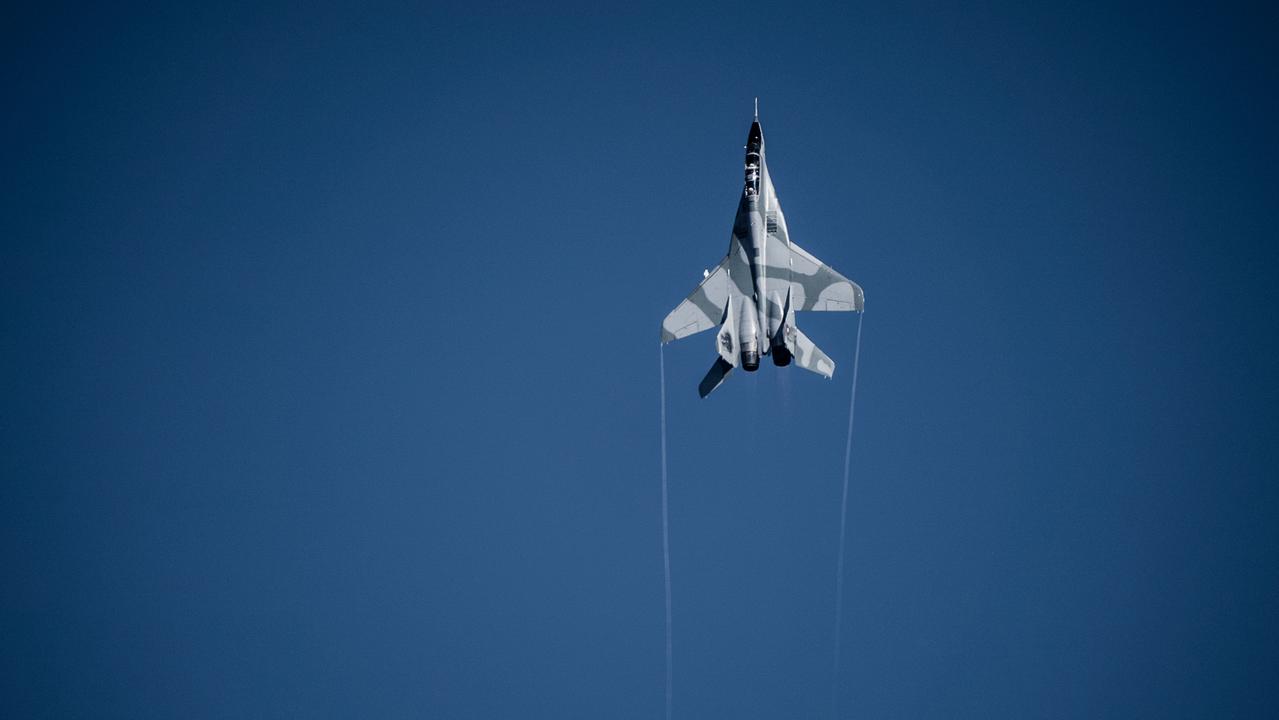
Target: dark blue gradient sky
point(330, 362)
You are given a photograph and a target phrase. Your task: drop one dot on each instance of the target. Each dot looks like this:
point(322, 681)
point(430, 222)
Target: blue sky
point(330, 349)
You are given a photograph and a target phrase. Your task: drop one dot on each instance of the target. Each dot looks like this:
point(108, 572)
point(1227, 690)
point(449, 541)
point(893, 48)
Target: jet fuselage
point(755, 291)
point(762, 314)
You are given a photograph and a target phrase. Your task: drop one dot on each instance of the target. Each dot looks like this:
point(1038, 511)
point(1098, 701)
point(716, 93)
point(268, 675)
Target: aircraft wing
point(816, 286)
point(703, 309)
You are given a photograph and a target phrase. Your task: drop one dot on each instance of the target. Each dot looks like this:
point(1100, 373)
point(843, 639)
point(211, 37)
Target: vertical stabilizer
point(714, 377)
point(727, 341)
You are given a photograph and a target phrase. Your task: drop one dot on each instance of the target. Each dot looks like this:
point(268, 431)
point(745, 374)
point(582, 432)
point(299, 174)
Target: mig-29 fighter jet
point(754, 292)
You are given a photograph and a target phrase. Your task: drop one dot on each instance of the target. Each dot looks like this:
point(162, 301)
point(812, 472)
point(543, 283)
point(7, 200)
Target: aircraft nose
point(756, 137)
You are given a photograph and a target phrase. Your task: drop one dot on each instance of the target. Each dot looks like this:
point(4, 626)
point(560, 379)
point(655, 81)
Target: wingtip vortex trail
point(843, 517)
point(666, 543)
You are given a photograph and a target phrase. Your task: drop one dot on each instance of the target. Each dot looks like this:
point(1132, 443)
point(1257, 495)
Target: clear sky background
point(330, 362)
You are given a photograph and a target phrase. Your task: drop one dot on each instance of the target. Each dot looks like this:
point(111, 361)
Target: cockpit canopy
point(755, 141)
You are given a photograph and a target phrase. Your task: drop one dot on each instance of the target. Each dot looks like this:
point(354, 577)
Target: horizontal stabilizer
point(714, 376)
point(810, 357)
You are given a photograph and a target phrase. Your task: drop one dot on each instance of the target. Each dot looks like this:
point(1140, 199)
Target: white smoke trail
point(843, 515)
point(666, 542)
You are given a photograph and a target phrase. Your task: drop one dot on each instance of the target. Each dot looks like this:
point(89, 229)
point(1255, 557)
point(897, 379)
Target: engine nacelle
point(738, 340)
point(781, 355)
point(748, 335)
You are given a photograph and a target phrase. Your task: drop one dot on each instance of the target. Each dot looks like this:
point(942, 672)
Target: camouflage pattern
point(754, 292)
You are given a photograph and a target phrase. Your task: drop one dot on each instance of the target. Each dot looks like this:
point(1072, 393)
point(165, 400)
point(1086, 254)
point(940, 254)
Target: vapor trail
point(666, 542)
point(843, 515)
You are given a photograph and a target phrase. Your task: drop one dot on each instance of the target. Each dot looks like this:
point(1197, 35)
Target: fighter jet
point(755, 291)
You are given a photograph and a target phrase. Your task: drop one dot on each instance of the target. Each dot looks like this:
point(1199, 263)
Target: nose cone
point(755, 141)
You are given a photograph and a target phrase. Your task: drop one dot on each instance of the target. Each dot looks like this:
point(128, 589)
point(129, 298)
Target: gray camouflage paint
point(762, 272)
